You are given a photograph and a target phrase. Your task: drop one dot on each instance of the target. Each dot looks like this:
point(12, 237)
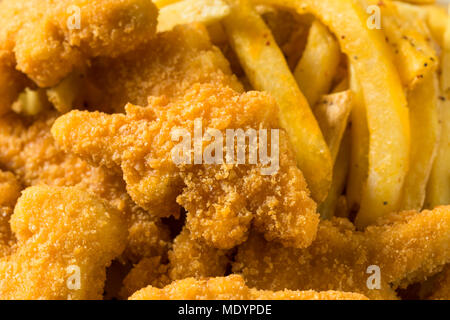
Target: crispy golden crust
point(28, 149)
point(192, 258)
point(9, 193)
point(149, 271)
point(231, 288)
point(167, 65)
point(221, 200)
point(43, 38)
point(68, 227)
point(409, 248)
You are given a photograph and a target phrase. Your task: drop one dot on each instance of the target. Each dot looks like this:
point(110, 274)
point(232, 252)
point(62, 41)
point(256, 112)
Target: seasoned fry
point(435, 17)
point(318, 65)
point(332, 112)
point(359, 163)
point(189, 11)
point(267, 70)
point(340, 173)
point(438, 191)
point(412, 47)
point(424, 118)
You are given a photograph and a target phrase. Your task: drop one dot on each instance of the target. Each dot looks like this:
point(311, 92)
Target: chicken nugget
point(222, 200)
point(47, 39)
point(405, 248)
point(231, 288)
point(28, 149)
point(65, 240)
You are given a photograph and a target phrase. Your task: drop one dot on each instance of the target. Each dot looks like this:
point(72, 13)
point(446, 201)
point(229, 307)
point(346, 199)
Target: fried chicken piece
point(10, 192)
point(187, 258)
point(149, 271)
point(192, 258)
point(28, 149)
point(221, 200)
point(167, 65)
point(407, 248)
point(47, 39)
point(231, 288)
point(441, 288)
point(61, 231)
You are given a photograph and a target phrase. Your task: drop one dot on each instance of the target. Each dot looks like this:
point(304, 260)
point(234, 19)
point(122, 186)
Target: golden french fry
point(411, 45)
point(424, 118)
point(162, 3)
point(63, 95)
point(189, 11)
point(267, 70)
point(332, 113)
point(438, 190)
point(31, 102)
point(318, 65)
point(359, 162)
point(435, 17)
point(340, 173)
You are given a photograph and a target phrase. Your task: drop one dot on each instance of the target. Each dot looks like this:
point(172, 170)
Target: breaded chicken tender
point(28, 149)
point(47, 39)
point(61, 232)
point(187, 258)
point(193, 258)
point(9, 193)
point(221, 201)
point(406, 247)
point(232, 288)
point(167, 65)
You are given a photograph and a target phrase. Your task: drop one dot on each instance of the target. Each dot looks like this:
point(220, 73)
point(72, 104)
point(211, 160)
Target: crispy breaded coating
point(47, 39)
point(193, 258)
point(149, 271)
point(28, 149)
point(231, 288)
point(9, 193)
point(407, 248)
point(61, 232)
point(221, 200)
point(167, 65)
point(187, 258)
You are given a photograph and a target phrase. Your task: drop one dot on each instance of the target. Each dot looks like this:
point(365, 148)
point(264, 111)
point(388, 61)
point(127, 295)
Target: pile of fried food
point(92, 205)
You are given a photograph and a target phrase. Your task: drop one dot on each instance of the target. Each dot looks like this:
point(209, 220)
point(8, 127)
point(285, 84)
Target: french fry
point(340, 172)
point(267, 70)
point(424, 118)
point(435, 17)
point(163, 3)
point(63, 95)
point(411, 45)
point(31, 102)
point(332, 113)
point(359, 162)
point(438, 190)
point(318, 65)
point(189, 11)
